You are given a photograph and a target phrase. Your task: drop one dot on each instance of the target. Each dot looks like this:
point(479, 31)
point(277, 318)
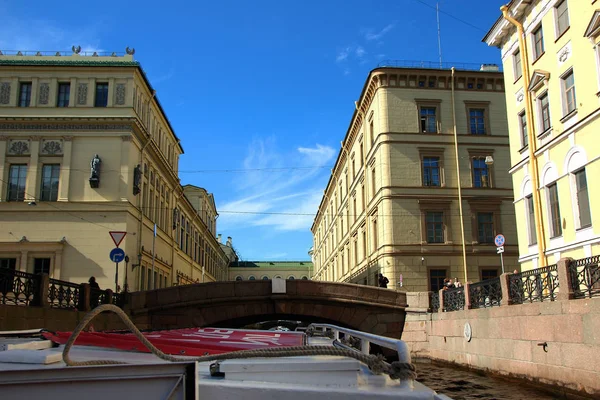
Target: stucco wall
point(506, 340)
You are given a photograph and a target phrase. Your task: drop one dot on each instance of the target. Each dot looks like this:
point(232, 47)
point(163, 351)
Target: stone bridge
point(239, 303)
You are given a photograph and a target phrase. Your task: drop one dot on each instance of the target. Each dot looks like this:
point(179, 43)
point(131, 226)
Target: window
point(239, 278)
point(477, 121)
point(555, 222)
point(375, 245)
point(291, 278)
point(16, 182)
point(488, 274)
point(41, 266)
point(538, 43)
point(562, 18)
point(101, 95)
point(544, 112)
point(583, 201)
point(50, 174)
point(8, 263)
point(436, 279)
point(371, 131)
point(523, 128)
point(7, 279)
point(485, 227)
point(265, 278)
point(518, 70)
point(25, 94)
point(252, 278)
point(64, 93)
point(434, 221)
point(431, 171)
point(568, 93)
point(530, 220)
point(481, 173)
point(304, 278)
point(428, 119)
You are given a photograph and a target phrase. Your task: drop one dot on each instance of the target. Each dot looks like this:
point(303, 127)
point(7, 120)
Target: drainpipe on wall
point(460, 208)
point(537, 203)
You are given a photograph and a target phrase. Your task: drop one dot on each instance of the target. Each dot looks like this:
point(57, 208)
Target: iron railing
point(454, 299)
point(30, 53)
point(536, 285)
point(585, 277)
point(18, 288)
point(434, 301)
point(438, 65)
point(98, 297)
point(63, 294)
point(486, 293)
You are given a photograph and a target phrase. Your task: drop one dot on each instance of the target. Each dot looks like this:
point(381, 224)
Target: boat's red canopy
point(188, 342)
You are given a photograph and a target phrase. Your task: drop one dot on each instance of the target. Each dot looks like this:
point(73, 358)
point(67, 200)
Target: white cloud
point(343, 54)
point(275, 193)
point(360, 52)
point(370, 35)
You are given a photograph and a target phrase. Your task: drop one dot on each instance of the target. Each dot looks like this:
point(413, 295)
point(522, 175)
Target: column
point(23, 261)
point(91, 94)
point(111, 92)
point(3, 177)
point(65, 169)
point(32, 182)
point(56, 274)
point(34, 93)
point(52, 100)
point(73, 93)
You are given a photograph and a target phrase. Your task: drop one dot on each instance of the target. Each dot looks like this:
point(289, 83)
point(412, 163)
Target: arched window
point(305, 278)
point(278, 276)
point(239, 278)
point(291, 277)
point(265, 278)
point(251, 278)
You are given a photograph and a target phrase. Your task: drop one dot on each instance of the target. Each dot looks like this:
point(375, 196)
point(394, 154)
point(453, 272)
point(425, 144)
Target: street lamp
point(489, 160)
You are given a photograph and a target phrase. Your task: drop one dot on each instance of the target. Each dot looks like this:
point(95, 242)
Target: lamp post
point(125, 286)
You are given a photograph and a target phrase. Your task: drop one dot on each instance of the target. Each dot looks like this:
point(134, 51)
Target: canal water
point(459, 384)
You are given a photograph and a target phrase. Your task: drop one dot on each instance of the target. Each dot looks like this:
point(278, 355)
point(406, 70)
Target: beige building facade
point(552, 72)
point(85, 149)
point(392, 203)
point(265, 270)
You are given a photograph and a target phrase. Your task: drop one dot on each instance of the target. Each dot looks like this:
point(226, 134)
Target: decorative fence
point(486, 293)
point(578, 279)
point(585, 277)
point(24, 289)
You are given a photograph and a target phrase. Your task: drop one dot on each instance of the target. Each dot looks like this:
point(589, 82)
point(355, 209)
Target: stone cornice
point(70, 63)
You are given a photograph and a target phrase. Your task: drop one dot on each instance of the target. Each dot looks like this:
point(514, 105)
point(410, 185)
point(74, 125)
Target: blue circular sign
point(499, 240)
point(117, 255)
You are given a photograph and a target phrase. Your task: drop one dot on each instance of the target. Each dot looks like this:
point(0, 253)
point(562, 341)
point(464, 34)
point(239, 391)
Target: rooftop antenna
point(437, 12)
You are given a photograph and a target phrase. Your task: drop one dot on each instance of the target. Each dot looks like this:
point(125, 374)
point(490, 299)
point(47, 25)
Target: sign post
point(117, 255)
point(499, 241)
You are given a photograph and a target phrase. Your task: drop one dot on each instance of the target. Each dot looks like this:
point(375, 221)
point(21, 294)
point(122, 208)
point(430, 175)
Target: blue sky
point(260, 92)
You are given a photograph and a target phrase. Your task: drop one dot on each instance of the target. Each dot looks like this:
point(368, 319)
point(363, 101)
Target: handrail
point(367, 338)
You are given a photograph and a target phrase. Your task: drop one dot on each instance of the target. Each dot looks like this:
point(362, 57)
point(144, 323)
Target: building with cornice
point(393, 202)
point(552, 70)
point(86, 148)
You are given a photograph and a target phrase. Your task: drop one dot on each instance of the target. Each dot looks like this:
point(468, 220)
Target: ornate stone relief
point(120, 94)
point(564, 53)
point(44, 93)
point(520, 95)
point(82, 90)
point(51, 147)
point(18, 147)
point(4, 93)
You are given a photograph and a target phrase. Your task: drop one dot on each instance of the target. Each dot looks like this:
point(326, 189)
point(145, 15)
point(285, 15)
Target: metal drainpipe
point(141, 198)
point(460, 208)
point(537, 202)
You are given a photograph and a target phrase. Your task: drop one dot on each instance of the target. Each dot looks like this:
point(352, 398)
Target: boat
point(197, 363)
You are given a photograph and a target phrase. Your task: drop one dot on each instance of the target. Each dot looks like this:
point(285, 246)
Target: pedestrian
point(383, 281)
point(94, 292)
point(457, 283)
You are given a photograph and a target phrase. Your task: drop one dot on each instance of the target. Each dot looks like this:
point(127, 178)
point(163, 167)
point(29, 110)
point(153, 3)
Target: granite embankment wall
point(509, 340)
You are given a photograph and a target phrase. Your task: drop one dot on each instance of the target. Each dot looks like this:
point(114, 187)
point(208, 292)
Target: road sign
point(500, 249)
point(117, 255)
point(499, 240)
point(117, 237)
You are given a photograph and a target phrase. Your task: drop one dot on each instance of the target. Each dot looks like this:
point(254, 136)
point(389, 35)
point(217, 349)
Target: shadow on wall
point(77, 267)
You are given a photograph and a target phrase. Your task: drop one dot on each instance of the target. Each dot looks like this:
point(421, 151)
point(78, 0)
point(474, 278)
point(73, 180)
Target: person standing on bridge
point(383, 281)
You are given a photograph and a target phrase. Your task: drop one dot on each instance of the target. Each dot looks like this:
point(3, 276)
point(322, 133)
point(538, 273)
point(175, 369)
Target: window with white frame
point(523, 129)
point(530, 219)
point(544, 112)
point(562, 18)
point(582, 197)
point(567, 83)
point(518, 70)
point(554, 210)
point(538, 43)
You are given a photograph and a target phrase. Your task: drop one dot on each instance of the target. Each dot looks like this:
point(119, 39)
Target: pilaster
point(125, 178)
point(32, 181)
point(505, 285)
point(73, 93)
point(91, 93)
point(565, 279)
point(34, 93)
point(3, 177)
point(111, 92)
point(65, 169)
point(467, 295)
point(57, 265)
point(53, 93)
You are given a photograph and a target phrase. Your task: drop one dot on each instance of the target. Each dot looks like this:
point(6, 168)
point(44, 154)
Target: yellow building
point(86, 148)
point(265, 270)
point(392, 203)
point(553, 70)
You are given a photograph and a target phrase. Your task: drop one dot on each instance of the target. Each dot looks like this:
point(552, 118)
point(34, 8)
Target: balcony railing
point(437, 65)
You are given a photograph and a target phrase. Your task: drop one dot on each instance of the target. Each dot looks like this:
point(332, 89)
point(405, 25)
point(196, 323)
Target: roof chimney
point(229, 241)
point(219, 238)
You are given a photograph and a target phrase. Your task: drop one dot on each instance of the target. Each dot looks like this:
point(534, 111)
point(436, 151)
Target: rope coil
point(376, 364)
